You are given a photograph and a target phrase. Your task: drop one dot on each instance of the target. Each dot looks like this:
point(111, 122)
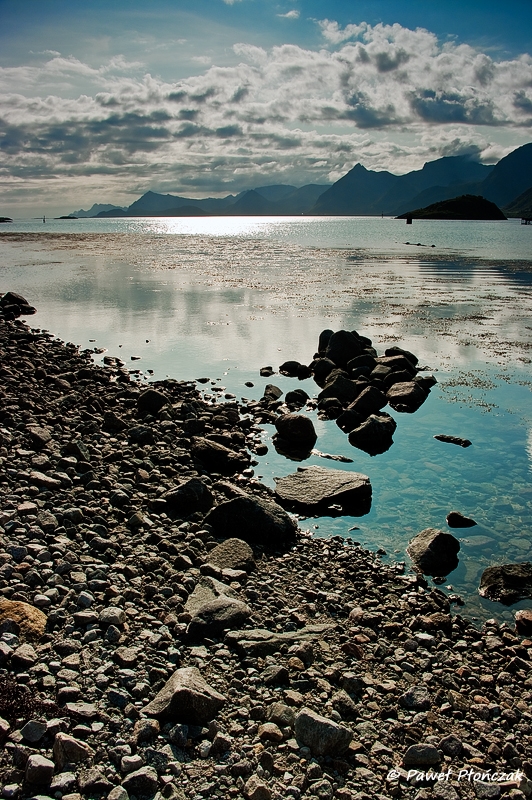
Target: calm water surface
point(220, 298)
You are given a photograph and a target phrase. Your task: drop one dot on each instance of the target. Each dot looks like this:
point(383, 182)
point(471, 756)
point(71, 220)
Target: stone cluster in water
point(167, 631)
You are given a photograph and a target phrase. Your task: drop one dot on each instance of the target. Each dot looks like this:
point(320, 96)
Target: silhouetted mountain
point(510, 177)
point(275, 192)
point(300, 200)
point(360, 191)
point(467, 206)
point(95, 209)
point(252, 204)
point(521, 206)
point(363, 191)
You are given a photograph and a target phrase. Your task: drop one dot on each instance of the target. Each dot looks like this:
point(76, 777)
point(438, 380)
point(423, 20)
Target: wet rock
point(391, 352)
point(369, 401)
point(321, 369)
point(457, 520)
point(186, 698)
point(321, 735)
point(434, 552)
point(313, 488)
point(296, 429)
point(443, 437)
point(296, 398)
point(31, 621)
point(339, 387)
point(342, 347)
point(290, 368)
point(192, 495)
point(253, 520)
point(523, 622)
point(324, 339)
point(507, 583)
point(374, 435)
point(407, 396)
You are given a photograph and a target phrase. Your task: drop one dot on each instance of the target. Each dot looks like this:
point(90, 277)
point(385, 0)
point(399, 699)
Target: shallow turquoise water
point(224, 304)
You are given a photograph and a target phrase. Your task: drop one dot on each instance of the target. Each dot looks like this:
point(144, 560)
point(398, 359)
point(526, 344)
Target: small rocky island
point(467, 206)
point(167, 630)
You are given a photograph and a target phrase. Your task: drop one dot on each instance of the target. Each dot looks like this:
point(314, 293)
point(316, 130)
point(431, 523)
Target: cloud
point(294, 14)
point(387, 96)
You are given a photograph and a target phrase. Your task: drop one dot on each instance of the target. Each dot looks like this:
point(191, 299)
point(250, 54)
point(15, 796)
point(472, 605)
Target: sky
point(103, 101)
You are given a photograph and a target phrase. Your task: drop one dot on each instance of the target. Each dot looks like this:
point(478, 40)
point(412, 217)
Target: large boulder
point(342, 347)
point(318, 488)
point(296, 429)
point(369, 401)
point(253, 520)
point(340, 387)
point(232, 554)
point(374, 435)
point(323, 736)
point(324, 339)
point(30, 620)
point(186, 698)
point(507, 583)
point(434, 552)
point(151, 401)
point(192, 495)
point(321, 369)
point(215, 608)
point(406, 396)
point(218, 458)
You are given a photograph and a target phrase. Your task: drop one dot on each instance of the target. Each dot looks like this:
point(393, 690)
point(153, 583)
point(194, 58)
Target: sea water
point(222, 297)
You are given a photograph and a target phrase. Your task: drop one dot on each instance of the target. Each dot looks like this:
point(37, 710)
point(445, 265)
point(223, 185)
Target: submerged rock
point(313, 488)
point(434, 552)
point(507, 583)
point(457, 520)
point(444, 437)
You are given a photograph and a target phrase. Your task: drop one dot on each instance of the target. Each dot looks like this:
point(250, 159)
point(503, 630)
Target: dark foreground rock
point(434, 552)
point(455, 519)
point(253, 520)
point(317, 488)
point(507, 583)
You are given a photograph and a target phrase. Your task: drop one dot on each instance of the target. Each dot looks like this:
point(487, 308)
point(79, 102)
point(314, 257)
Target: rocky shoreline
point(167, 631)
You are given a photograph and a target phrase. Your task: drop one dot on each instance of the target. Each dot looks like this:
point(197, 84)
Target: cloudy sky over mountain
point(102, 101)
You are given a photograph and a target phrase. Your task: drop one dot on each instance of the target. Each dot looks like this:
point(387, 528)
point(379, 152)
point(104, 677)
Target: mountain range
point(508, 184)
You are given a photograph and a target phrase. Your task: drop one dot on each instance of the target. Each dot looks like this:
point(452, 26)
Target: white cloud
point(387, 96)
point(294, 14)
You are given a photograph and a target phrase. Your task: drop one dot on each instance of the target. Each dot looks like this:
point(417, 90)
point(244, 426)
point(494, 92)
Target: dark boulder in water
point(434, 552)
point(444, 437)
point(317, 489)
point(406, 397)
point(374, 435)
point(507, 583)
point(296, 429)
point(342, 347)
point(457, 520)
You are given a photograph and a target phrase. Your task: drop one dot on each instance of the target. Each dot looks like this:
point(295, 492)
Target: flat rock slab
point(186, 698)
point(507, 583)
point(260, 642)
point(206, 590)
point(313, 488)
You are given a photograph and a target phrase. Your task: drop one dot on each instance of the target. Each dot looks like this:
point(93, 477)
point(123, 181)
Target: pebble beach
point(167, 630)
